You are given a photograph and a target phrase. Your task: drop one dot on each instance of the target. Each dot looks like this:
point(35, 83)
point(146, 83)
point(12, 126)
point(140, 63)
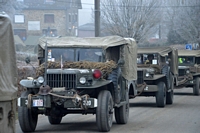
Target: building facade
point(46, 18)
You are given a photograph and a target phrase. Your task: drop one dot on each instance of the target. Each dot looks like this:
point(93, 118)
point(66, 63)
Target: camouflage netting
point(105, 67)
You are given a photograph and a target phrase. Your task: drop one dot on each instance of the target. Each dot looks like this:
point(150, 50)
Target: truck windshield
point(147, 59)
point(55, 54)
point(88, 54)
point(185, 60)
point(75, 54)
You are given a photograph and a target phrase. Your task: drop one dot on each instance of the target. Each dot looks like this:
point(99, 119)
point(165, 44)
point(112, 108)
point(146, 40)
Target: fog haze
point(85, 14)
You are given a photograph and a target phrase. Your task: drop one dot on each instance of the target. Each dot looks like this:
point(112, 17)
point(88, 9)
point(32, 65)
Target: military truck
point(8, 76)
point(157, 68)
point(80, 84)
point(188, 70)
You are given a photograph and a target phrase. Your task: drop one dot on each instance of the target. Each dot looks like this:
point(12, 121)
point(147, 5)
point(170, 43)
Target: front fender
point(132, 89)
point(30, 83)
point(97, 84)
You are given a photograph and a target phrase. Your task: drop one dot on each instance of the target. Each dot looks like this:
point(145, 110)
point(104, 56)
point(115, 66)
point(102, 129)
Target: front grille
point(181, 72)
point(67, 80)
point(140, 75)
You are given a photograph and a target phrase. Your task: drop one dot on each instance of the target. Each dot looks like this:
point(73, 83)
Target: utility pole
point(97, 17)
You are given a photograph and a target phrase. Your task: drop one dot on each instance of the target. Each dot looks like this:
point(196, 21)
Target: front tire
point(104, 112)
point(196, 86)
point(170, 95)
point(122, 113)
point(27, 117)
point(161, 95)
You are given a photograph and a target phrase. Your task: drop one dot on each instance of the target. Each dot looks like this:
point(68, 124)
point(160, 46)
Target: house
point(46, 18)
point(86, 30)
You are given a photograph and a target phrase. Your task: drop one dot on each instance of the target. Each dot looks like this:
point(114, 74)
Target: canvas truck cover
point(8, 68)
point(195, 53)
point(174, 61)
point(163, 51)
point(129, 71)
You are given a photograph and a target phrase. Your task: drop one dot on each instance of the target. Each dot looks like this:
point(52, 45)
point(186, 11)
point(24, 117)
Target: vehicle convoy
point(160, 65)
point(80, 76)
point(189, 70)
point(8, 76)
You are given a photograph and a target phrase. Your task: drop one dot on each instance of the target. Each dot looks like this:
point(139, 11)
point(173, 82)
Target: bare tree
point(138, 19)
point(185, 19)
point(7, 6)
point(10, 7)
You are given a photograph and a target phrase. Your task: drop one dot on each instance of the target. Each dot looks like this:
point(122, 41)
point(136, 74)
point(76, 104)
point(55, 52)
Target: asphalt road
point(183, 116)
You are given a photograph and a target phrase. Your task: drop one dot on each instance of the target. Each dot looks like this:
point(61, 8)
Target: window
point(70, 30)
point(49, 32)
point(75, 17)
point(49, 18)
point(33, 25)
point(147, 59)
point(19, 18)
point(21, 33)
point(70, 17)
point(183, 60)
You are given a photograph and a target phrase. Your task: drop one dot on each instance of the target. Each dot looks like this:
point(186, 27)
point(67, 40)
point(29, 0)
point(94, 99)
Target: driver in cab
point(150, 58)
point(90, 56)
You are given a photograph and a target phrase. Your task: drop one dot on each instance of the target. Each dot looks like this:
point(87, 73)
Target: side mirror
point(27, 60)
point(121, 62)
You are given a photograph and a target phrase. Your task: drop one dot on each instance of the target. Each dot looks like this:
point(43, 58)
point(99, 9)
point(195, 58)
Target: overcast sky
point(86, 12)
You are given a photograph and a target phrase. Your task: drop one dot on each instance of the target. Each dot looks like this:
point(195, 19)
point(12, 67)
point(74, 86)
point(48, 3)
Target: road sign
point(188, 46)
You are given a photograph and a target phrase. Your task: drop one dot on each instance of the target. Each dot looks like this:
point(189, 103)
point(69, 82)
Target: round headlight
point(188, 71)
point(82, 80)
point(147, 75)
point(40, 80)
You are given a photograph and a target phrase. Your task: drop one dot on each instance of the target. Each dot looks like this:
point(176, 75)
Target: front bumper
point(46, 101)
point(148, 88)
point(190, 82)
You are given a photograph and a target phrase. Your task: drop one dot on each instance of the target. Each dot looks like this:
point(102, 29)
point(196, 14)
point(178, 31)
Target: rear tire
point(161, 95)
point(54, 120)
point(104, 111)
point(27, 117)
point(122, 113)
point(196, 86)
